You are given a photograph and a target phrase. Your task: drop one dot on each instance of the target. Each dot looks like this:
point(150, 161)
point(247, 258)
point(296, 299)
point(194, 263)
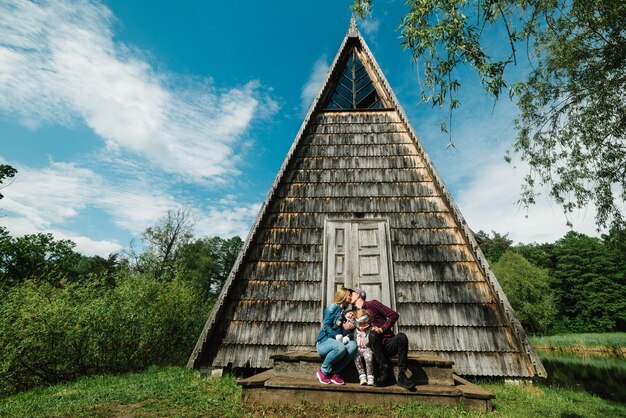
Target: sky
point(115, 112)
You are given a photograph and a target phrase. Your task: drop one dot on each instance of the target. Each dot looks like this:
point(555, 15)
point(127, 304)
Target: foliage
point(493, 246)
point(608, 341)
point(541, 255)
point(41, 257)
point(589, 284)
point(527, 288)
point(6, 172)
point(175, 391)
point(205, 263)
point(571, 127)
point(163, 243)
point(54, 334)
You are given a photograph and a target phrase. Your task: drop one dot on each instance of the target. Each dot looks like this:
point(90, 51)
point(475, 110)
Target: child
point(361, 336)
point(346, 332)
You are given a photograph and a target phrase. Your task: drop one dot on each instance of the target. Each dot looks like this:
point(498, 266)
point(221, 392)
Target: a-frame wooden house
point(357, 202)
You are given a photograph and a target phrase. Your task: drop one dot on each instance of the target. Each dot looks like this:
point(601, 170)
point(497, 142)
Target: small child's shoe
point(339, 337)
point(370, 380)
point(363, 379)
point(346, 339)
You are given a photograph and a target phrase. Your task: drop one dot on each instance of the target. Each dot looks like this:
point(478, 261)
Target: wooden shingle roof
point(355, 163)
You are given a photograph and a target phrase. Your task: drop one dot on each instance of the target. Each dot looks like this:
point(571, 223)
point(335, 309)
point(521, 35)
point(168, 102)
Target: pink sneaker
point(322, 377)
point(336, 379)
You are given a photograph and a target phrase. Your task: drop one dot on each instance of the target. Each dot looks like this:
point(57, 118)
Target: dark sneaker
point(385, 379)
point(336, 379)
point(322, 377)
point(404, 382)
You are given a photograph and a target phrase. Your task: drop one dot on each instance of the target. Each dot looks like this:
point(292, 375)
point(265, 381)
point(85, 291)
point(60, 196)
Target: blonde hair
point(361, 312)
point(342, 295)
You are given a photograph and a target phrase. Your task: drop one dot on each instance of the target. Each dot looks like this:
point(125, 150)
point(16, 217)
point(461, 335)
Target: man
point(382, 340)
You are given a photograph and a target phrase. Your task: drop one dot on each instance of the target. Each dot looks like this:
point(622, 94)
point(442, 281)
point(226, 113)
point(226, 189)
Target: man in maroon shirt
point(383, 342)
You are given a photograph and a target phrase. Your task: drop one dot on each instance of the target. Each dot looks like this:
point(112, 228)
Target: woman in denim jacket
point(336, 355)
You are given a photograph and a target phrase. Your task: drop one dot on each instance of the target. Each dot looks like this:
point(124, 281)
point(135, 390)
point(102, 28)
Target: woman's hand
point(377, 330)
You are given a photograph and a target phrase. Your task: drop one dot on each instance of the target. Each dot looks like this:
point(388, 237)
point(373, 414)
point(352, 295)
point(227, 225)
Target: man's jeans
point(336, 355)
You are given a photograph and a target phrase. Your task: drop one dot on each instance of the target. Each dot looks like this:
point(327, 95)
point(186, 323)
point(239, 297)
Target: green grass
point(176, 391)
point(615, 341)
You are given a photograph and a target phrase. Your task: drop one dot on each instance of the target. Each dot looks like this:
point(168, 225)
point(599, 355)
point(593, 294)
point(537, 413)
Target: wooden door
point(357, 254)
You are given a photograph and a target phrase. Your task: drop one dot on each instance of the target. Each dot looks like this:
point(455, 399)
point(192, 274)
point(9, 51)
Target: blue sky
point(114, 112)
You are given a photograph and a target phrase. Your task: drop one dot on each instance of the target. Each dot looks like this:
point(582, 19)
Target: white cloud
point(314, 83)
point(228, 220)
point(59, 63)
point(370, 26)
point(57, 193)
point(47, 199)
point(19, 225)
point(488, 202)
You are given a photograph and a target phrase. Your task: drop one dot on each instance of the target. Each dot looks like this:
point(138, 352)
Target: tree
point(528, 289)
point(206, 263)
point(6, 172)
point(42, 258)
point(164, 241)
point(493, 247)
point(589, 285)
point(572, 122)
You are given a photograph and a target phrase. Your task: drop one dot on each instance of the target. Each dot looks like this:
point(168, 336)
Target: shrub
point(53, 334)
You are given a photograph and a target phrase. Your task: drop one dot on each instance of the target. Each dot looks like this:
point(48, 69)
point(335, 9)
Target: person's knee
point(341, 350)
point(402, 339)
point(374, 338)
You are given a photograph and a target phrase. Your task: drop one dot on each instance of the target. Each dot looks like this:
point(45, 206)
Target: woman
point(336, 355)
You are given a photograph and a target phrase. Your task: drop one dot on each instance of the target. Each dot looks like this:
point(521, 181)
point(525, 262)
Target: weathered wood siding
point(351, 164)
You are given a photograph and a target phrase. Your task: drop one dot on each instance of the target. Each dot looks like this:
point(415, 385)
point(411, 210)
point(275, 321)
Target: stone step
point(269, 388)
point(422, 369)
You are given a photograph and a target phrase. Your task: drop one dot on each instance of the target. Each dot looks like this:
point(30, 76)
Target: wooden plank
point(282, 290)
point(257, 380)
point(439, 252)
point(472, 363)
point(357, 139)
point(388, 189)
point(355, 162)
point(461, 271)
point(293, 270)
point(450, 339)
point(357, 175)
point(406, 236)
point(444, 292)
point(381, 205)
point(449, 314)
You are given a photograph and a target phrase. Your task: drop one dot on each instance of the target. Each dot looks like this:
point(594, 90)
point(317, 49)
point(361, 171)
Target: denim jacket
point(332, 314)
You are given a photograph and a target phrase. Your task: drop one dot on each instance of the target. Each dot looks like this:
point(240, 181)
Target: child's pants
point(368, 357)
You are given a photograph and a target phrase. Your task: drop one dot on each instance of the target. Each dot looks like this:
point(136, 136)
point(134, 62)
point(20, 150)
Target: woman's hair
point(342, 295)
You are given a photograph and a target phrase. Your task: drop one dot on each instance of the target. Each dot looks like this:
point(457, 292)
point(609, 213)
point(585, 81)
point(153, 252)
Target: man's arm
point(390, 315)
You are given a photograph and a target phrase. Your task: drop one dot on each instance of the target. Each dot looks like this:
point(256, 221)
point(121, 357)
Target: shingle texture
point(348, 164)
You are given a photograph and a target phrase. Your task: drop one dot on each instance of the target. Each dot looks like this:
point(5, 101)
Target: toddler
point(346, 332)
point(361, 336)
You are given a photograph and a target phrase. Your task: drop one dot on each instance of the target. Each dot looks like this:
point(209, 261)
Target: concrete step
point(422, 369)
point(269, 388)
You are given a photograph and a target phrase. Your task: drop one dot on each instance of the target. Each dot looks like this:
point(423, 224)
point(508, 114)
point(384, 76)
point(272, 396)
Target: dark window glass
point(354, 88)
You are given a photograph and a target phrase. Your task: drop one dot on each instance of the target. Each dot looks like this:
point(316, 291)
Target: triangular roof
point(452, 303)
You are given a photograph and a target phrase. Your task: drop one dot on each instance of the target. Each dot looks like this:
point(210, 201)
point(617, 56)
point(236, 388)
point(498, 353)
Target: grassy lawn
point(614, 342)
point(176, 391)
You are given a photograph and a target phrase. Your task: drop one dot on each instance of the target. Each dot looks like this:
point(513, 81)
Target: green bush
point(54, 334)
point(527, 288)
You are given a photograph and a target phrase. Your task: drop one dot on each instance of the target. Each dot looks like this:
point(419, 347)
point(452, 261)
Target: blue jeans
point(336, 355)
